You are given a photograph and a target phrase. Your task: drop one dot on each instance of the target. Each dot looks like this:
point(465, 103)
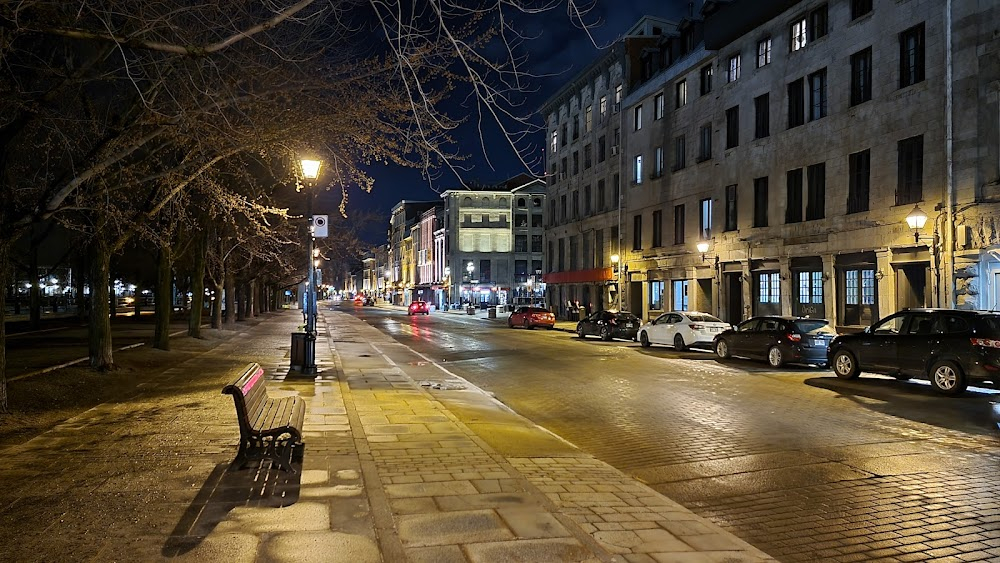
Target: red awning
point(580, 276)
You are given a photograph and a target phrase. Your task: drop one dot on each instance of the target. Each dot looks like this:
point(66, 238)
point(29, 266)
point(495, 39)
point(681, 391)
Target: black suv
point(948, 346)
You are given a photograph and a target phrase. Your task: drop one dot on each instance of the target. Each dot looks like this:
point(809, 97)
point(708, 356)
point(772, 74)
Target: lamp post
point(470, 268)
point(310, 171)
point(447, 285)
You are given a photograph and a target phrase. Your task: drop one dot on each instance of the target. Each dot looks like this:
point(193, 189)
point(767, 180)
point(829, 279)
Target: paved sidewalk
point(403, 461)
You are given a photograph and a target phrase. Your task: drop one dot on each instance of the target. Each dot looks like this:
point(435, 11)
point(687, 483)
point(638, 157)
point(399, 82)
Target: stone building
point(772, 152)
point(583, 163)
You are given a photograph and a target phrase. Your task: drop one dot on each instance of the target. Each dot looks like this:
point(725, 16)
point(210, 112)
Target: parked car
point(948, 346)
point(608, 325)
point(530, 317)
point(779, 340)
point(418, 307)
point(682, 329)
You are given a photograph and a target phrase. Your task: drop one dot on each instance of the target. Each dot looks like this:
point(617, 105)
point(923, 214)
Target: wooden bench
point(269, 428)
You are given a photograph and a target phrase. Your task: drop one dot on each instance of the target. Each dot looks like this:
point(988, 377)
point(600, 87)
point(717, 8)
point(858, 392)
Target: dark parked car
point(779, 340)
point(608, 325)
point(530, 317)
point(948, 346)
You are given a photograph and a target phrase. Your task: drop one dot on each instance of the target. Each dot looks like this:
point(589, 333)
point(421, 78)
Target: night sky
point(559, 49)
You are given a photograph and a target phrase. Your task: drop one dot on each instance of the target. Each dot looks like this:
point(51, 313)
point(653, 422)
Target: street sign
point(320, 226)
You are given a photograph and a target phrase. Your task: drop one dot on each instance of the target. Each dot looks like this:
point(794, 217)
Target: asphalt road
point(800, 464)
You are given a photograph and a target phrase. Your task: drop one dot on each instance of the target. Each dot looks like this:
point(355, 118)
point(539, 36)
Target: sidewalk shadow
point(259, 485)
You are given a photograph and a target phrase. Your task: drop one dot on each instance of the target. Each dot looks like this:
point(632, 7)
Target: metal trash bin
point(298, 350)
point(470, 310)
point(491, 313)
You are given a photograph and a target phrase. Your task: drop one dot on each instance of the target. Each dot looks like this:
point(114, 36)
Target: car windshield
point(703, 318)
point(814, 326)
point(627, 317)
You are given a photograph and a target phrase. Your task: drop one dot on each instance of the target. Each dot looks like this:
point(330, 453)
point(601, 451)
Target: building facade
point(772, 157)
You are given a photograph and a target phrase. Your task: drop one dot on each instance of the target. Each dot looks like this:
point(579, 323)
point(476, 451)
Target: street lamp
point(310, 171)
point(447, 284)
point(703, 248)
point(916, 220)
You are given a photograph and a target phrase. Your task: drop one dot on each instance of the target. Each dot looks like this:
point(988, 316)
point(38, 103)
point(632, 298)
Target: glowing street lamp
point(916, 221)
point(310, 171)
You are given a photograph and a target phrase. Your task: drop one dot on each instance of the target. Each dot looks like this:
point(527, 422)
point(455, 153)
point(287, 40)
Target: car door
point(655, 329)
point(766, 335)
point(739, 339)
point(919, 341)
point(876, 351)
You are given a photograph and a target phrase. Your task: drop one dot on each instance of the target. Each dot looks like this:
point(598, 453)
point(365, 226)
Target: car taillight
point(985, 342)
point(794, 337)
point(696, 326)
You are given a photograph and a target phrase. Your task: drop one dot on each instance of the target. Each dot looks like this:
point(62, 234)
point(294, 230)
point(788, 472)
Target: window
point(576, 127)
point(656, 289)
point(705, 142)
point(817, 23)
point(616, 191)
point(762, 116)
point(563, 136)
point(637, 117)
point(764, 52)
point(564, 168)
point(732, 127)
point(731, 209)
point(811, 287)
point(733, 72)
point(861, 76)
point(859, 178)
point(705, 219)
point(680, 294)
point(637, 232)
point(573, 253)
point(599, 248)
point(706, 79)
point(601, 196)
point(798, 34)
point(520, 243)
point(796, 103)
point(658, 162)
point(576, 204)
point(678, 224)
point(860, 8)
point(760, 202)
point(551, 256)
point(769, 285)
point(911, 56)
point(553, 174)
point(552, 212)
point(793, 196)
point(555, 141)
point(485, 272)
point(816, 179)
point(618, 98)
point(536, 243)
point(680, 149)
point(562, 207)
point(657, 228)
point(588, 120)
point(536, 220)
point(817, 95)
point(521, 220)
point(681, 93)
point(586, 200)
point(638, 169)
point(588, 158)
point(562, 255)
point(576, 162)
point(617, 139)
point(910, 181)
point(658, 107)
point(604, 107)
point(601, 148)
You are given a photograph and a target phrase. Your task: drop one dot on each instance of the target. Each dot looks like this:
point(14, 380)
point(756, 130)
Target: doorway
point(734, 298)
point(911, 286)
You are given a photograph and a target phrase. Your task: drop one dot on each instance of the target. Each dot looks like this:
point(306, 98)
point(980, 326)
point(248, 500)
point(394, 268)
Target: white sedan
point(682, 329)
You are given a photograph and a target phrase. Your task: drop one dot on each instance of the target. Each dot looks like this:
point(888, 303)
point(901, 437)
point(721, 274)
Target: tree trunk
point(197, 289)
point(4, 282)
point(229, 322)
point(81, 280)
point(217, 306)
point(101, 357)
point(34, 292)
point(241, 301)
point(164, 299)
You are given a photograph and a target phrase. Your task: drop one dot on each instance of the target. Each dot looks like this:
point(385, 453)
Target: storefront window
point(656, 289)
point(680, 291)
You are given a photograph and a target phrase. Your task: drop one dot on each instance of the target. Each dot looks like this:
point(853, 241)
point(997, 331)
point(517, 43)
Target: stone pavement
point(403, 461)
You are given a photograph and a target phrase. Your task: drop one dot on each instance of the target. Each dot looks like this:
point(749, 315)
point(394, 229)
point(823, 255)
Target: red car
point(418, 307)
point(530, 317)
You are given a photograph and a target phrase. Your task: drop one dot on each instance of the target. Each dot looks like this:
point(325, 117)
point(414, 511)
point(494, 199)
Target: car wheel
point(845, 366)
point(775, 358)
point(679, 344)
point(947, 378)
point(605, 333)
point(722, 349)
point(643, 340)
point(580, 332)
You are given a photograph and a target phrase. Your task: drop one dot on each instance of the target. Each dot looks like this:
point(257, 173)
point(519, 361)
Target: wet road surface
point(797, 462)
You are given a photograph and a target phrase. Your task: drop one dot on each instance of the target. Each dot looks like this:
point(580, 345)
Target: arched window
point(486, 202)
point(502, 202)
point(521, 202)
point(467, 202)
point(536, 202)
